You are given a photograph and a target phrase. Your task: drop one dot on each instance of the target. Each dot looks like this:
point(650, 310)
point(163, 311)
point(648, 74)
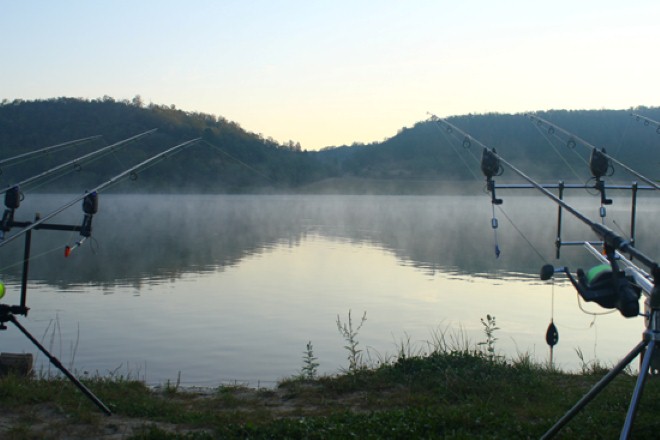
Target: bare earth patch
point(50, 421)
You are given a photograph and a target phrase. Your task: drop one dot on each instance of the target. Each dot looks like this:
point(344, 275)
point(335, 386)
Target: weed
point(310, 364)
point(590, 367)
point(444, 342)
point(173, 388)
point(349, 333)
point(406, 349)
point(490, 327)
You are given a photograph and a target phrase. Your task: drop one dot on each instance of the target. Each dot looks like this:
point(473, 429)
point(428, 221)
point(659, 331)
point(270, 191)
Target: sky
point(328, 73)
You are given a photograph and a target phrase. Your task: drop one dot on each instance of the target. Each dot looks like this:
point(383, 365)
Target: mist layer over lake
point(223, 289)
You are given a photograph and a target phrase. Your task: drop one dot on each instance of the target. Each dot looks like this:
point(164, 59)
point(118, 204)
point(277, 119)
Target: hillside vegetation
point(419, 159)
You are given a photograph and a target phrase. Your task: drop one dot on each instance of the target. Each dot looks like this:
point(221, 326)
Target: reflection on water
point(232, 287)
point(140, 239)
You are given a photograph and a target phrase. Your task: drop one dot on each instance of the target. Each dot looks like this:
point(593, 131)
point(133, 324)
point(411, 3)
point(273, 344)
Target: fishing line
point(77, 161)
point(76, 167)
point(90, 207)
point(570, 142)
point(541, 257)
point(580, 306)
point(621, 231)
point(552, 301)
point(134, 175)
point(561, 156)
point(35, 186)
point(623, 136)
point(494, 223)
point(647, 121)
point(94, 243)
point(469, 151)
point(576, 139)
point(622, 296)
point(98, 188)
point(552, 334)
point(466, 143)
point(114, 154)
point(32, 257)
point(587, 312)
point(21, 158)
point(552, 131)
point(93, 246)
point(239, 161)
point(460, 156)
point(613, 242)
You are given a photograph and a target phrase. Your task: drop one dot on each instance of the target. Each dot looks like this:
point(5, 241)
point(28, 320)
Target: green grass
point(444, 390)
point(456, 394)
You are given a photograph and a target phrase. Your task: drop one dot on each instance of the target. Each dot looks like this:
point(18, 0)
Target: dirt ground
point(49, 421)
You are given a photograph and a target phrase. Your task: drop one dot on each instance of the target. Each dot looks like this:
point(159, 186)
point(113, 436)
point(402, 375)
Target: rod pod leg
point(639, 388)
point(86, 391)
point(593, 392)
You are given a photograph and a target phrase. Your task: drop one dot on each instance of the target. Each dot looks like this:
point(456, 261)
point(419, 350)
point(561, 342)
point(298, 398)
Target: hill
point(420, 159)
point(233, 160)
point(429, 151)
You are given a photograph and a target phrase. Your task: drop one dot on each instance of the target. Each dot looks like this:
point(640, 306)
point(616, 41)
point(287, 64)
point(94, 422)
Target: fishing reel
point(605, 285)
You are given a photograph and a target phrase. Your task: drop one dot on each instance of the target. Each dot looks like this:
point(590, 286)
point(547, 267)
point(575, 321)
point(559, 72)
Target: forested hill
point(430, 151)
point(420, 158)
point(232, 161)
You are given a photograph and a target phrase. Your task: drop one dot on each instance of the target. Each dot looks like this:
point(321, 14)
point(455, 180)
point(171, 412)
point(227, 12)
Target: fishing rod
point(491, 168)
point(600, 161)
point(647, 121)
point(91, 205)
point(492, 160)
point(48, 149)
point(491, 165)
point(609, 287)
point(606, 285)
point(466, 142)
point(13, 195)
point(599, 165)
point(77, 161)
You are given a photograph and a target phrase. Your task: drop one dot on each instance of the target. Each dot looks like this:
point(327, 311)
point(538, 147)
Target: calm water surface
point(223, 289)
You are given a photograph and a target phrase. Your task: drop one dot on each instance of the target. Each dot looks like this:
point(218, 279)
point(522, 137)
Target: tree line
point(233, 160)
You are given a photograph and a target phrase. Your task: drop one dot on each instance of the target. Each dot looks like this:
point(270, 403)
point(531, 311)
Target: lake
point(212, 290)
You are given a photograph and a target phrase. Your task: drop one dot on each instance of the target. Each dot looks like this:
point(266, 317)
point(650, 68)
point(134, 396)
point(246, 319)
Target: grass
point(441, 393)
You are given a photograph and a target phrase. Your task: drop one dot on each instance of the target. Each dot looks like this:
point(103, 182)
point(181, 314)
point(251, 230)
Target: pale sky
point(335, 72)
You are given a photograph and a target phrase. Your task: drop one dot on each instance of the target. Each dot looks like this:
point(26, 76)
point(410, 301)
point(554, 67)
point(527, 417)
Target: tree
point(137, 101)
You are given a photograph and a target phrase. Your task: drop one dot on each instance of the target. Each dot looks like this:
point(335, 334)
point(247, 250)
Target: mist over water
point(226, 288)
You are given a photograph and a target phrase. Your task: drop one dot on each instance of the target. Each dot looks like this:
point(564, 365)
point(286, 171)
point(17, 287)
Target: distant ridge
point(420, 159)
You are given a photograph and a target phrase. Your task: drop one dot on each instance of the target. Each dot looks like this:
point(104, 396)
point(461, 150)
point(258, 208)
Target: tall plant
point(310, 364)
point(490, 327)
point(349, 333)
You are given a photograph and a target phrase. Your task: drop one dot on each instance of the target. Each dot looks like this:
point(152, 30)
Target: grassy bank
point(452, 394)
point(449, 389)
